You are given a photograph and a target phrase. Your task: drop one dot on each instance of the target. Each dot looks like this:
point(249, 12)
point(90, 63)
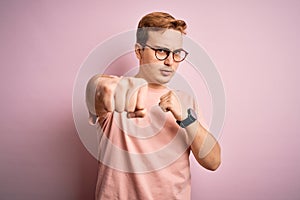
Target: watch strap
point(190, 119)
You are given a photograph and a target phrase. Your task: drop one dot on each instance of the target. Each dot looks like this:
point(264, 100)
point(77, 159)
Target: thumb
point(137, 113)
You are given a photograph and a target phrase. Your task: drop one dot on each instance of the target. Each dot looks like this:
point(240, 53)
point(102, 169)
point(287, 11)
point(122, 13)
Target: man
point(147, 129)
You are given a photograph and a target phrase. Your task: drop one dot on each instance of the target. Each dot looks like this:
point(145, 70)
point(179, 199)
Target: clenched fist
point(171, 102)
point(121, 94)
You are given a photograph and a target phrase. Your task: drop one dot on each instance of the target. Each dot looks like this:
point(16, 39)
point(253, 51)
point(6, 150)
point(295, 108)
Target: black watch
point(190, 118)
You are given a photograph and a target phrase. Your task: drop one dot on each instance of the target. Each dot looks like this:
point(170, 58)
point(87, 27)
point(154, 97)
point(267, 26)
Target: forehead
point(169, 38)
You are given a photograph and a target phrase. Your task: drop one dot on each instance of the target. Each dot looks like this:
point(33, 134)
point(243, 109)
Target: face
point(156, 72)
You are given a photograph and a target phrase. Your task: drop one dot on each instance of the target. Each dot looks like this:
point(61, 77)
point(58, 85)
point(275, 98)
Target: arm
point(204, 146)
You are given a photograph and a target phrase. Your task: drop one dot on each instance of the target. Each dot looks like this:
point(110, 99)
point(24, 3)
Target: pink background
point(254, 44)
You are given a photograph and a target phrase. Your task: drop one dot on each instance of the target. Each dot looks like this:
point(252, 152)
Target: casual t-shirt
point(144, 158)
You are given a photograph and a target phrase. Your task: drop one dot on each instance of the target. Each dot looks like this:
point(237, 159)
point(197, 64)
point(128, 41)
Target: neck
point(151, 85)
point(156, 86)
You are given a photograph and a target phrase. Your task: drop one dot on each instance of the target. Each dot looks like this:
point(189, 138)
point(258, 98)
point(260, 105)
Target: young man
point(146, 129)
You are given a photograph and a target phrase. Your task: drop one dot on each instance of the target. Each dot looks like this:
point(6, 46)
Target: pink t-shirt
point(144, 158)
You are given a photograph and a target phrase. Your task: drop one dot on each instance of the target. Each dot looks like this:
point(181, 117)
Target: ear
point(138, 48)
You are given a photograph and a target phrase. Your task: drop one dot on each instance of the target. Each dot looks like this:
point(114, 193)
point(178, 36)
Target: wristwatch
point(190, 118)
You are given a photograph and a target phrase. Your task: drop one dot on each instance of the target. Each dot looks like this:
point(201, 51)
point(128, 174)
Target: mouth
point(166, 72)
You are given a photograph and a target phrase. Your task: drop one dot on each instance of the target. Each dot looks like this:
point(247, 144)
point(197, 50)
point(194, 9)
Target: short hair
point(157, 21)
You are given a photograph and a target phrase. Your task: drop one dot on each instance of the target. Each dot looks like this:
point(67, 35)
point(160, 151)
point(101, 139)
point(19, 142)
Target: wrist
point(189, 119)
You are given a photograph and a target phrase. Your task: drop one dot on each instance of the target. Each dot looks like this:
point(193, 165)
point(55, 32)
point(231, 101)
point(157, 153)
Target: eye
point(177, 52)
point(161, 51)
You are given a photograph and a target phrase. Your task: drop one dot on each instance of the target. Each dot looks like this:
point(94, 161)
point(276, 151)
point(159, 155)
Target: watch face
point(192, 113)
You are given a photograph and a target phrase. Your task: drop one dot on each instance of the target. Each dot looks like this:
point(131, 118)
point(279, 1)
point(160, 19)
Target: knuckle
point(119, 109)
point(107, 89)
point(109, 109)
point(122, 85)
point(129, 110)
point(98, 95)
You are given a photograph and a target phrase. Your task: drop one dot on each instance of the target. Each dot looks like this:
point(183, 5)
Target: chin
point(163, 82)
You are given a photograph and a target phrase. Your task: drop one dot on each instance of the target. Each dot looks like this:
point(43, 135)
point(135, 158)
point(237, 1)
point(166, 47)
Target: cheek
point(176, 67)
point(149, 58)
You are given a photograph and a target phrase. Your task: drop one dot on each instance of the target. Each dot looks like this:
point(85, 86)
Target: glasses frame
point(168, 51)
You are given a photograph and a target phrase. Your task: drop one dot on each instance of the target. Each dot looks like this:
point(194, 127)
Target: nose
point(169, 60)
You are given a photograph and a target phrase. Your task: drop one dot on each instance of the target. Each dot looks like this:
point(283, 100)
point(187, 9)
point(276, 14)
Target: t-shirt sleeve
point(191, 102)
point(199, 113)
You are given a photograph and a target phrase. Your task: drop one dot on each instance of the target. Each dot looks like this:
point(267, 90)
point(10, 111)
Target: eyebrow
point(160, 47)
point(165, 48)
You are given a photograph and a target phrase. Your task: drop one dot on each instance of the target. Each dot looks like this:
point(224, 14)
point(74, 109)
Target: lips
point(166, 72)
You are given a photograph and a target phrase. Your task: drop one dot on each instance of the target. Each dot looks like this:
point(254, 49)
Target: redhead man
point(146, 129)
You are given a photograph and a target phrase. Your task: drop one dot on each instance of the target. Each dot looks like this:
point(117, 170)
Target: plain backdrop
point(254, 44)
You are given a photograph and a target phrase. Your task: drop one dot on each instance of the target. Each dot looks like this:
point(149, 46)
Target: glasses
point(163, 53)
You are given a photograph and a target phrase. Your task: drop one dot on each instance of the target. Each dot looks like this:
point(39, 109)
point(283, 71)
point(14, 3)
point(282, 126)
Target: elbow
point(215, 165)
point(211, 165)
point(216, 160)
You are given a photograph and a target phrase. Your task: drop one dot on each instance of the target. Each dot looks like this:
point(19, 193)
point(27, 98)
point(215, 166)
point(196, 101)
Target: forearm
point(205, 147)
